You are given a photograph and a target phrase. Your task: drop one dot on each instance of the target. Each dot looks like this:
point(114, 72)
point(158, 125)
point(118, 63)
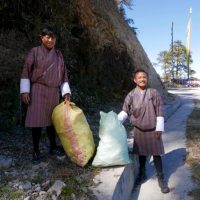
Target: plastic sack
point(113, 148)
point(74, 132)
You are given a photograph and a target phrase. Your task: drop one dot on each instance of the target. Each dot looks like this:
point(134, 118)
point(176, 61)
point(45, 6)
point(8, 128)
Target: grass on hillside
point(193, 146)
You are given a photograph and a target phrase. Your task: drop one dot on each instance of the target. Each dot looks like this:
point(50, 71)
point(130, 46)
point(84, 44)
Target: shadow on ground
point(125, 186)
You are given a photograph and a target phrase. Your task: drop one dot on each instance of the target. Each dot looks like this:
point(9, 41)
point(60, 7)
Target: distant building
point(192, 82)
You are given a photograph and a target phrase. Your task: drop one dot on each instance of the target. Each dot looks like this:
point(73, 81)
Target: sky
point(153, 20)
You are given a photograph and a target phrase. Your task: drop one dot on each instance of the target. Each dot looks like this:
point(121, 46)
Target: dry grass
point(99, 28)
point(193, 146)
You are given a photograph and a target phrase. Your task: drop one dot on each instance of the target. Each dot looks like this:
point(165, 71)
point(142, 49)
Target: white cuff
point(65, 88)
point(24, 85)
point(122, 116)
point(160, 124)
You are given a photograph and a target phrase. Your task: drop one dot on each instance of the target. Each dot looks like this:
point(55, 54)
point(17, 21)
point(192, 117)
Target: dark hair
point(139, 70)
point(48, 31)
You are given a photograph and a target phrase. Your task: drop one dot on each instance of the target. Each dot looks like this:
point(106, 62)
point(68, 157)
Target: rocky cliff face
point(107, 31)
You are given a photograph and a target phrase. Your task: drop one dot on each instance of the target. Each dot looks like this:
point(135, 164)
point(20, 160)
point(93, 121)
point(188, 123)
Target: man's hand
point(67, 97)
point(25, 98)
point(158, 134)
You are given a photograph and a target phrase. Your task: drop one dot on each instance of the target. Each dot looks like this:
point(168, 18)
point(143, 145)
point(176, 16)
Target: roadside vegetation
point(174, 85)
point(193, 147)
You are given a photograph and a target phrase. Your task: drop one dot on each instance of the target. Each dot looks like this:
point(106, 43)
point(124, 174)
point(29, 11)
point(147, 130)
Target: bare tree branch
point(126, 2)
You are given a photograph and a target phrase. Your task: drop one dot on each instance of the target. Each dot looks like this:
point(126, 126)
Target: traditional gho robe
point(43, 74)
point(145, 110)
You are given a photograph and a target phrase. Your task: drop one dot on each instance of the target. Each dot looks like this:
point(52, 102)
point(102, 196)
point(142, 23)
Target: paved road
point(177, 172)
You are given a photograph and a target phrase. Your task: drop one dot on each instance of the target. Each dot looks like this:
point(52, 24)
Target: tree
point(165, 60)
point(174, 61)
point(121, 7)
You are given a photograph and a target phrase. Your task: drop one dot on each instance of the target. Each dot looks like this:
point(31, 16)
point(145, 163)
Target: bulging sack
point(113, 148)
point(74, 132)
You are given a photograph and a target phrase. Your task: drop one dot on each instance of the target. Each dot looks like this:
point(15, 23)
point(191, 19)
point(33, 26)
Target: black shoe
point(57, 152)
point(141, 178)
point(36, 157)
point(163, 184)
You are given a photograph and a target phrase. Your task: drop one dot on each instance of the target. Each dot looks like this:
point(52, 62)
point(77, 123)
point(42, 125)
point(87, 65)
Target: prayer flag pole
point(188, 43)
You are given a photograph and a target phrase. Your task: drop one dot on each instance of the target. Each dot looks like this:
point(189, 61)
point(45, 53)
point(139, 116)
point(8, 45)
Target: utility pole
point(172, 50)
point(188, 43)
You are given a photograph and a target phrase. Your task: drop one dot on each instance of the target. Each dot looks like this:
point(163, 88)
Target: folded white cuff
point(160, 124)
point(122, 116)
point(24, 85)
point(65, 88)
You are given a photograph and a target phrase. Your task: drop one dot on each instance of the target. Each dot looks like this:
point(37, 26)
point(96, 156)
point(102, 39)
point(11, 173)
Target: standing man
point(43, 74)
point(144, 106)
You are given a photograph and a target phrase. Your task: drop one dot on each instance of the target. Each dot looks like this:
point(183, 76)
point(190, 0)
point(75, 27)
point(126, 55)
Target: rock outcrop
point(105, 28)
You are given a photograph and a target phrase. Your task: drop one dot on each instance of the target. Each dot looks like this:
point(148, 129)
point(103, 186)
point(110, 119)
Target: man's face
point(141, 79)
point(48, 41)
